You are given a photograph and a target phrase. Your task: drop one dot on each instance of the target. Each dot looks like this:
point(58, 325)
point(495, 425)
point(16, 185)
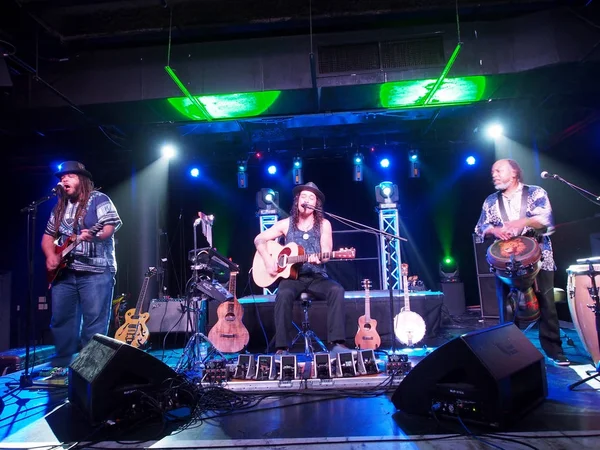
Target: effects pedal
point(367, 364)
point(245, 368)
point(265, 368)
point(346, 364)
point(288, 368)
point(322, 366)
point(398, 365)
point(215, 371)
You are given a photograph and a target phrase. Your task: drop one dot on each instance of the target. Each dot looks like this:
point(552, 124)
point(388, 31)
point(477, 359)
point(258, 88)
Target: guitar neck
point(138, 305)
point(304, 258)
point(93, 231)
point(232, 284)
point(367, 305)
point(406, 296)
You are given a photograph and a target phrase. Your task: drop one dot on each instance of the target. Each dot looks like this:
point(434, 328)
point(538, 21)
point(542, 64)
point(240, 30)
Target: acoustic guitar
point(288, 259)
point(229, 335)
point(65, 249)
point(409, 326)
point(367, 337)
point(134, 331)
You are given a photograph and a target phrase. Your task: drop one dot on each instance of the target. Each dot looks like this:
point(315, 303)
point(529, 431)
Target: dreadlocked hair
point(318, 215)
point(86, 187)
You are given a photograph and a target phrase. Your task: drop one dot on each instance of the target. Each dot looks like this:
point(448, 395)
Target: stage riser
point(428, 306)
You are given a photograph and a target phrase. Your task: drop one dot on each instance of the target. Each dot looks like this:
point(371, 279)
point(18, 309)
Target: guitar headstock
point(345, 253)
point(366, 284)
point(404, 268)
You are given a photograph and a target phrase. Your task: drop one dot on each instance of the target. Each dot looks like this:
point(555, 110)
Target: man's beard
point(501, 186)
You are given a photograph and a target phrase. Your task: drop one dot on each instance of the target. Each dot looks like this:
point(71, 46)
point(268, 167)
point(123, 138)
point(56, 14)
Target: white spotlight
point(494, 130)
point(168, 151)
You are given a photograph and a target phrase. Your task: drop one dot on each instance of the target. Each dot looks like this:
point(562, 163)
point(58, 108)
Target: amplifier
point(171, 315)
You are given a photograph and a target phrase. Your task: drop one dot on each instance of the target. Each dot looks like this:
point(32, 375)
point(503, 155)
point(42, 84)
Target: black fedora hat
point(312, 187)
point(72, 167)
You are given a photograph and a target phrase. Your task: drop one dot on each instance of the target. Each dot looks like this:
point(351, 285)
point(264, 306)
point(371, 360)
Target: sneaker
point(54, 372)
point(561, 360)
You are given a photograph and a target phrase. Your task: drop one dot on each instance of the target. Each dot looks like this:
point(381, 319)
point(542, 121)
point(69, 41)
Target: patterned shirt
point(89, 256)
point(538, 206)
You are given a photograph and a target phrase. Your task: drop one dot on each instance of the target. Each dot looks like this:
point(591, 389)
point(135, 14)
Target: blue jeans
point(81, 304)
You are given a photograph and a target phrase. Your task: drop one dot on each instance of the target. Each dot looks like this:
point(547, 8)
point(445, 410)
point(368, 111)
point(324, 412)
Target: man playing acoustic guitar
point(82, 289)
point(308, 228)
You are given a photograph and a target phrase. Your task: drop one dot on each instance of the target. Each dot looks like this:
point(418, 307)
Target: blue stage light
point(385, 163)
point(272, 169)
point(195, 172)
point(471, 160)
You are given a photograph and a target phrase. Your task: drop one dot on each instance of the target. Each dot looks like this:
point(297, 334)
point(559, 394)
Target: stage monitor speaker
point(107, 374)
point(490, 377)
point(487, 296)
point(483, 267)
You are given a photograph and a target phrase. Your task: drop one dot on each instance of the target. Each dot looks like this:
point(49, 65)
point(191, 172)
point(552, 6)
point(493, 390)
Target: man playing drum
point(517, 209)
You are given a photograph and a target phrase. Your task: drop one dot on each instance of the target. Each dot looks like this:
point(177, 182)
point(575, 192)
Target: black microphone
point(58, 188)
point(545, 174)
point(306, 205)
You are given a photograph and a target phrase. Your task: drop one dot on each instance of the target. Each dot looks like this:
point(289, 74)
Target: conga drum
point(579, 289)
point(516, 262)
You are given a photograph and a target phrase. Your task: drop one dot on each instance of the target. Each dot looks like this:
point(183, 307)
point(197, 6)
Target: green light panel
point(226, 106)
point(406, 94)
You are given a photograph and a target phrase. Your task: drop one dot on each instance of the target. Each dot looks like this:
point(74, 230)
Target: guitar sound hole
point(367, 326)
point(229, 316)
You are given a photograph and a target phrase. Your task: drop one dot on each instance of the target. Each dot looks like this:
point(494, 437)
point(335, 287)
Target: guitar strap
point(522, 213)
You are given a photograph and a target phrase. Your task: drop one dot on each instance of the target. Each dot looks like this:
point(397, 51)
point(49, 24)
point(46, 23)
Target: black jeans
point(548, 321)
point(321, 288)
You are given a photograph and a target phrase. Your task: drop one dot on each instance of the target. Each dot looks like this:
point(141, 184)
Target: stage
point(350, 412)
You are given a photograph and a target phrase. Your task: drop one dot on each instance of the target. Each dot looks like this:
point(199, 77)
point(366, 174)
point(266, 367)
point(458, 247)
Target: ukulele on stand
point(409, 326)
point(229, 335)
point(134, 331)
point(367, 337)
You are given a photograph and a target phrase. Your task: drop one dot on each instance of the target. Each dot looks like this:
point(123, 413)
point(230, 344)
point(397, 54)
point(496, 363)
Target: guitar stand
point(306, 333)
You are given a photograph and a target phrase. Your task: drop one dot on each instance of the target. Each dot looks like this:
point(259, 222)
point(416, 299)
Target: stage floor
point(347, 416)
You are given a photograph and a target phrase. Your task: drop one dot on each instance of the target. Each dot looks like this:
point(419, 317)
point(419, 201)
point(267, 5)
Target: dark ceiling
point(41, 32)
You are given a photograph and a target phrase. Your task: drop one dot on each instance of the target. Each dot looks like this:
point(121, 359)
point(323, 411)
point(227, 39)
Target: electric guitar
point(65, 249)
point(409, 326)
point(288, 260)
point(229, 335)
point(134, 331)
point(367, 337)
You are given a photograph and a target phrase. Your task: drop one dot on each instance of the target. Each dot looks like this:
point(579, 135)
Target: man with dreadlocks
point(309, 229)
point(82, 293)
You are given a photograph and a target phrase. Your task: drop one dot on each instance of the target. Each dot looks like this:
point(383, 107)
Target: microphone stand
point(594, 294)
point(25, 380)
point(594, 198)
point(389, 238)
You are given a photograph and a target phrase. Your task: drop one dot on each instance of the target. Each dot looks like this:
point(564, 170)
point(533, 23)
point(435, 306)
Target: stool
point(306, 333)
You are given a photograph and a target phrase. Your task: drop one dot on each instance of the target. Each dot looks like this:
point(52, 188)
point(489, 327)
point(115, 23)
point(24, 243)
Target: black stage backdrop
point(439, 208)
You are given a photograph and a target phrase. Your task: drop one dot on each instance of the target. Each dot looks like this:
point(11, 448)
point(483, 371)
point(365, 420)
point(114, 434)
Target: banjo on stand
point(409, 327)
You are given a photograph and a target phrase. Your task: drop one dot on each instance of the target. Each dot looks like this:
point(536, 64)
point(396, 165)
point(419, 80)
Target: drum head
point(525, 250)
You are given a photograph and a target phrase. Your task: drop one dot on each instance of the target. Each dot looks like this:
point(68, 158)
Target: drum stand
point(596, 308)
